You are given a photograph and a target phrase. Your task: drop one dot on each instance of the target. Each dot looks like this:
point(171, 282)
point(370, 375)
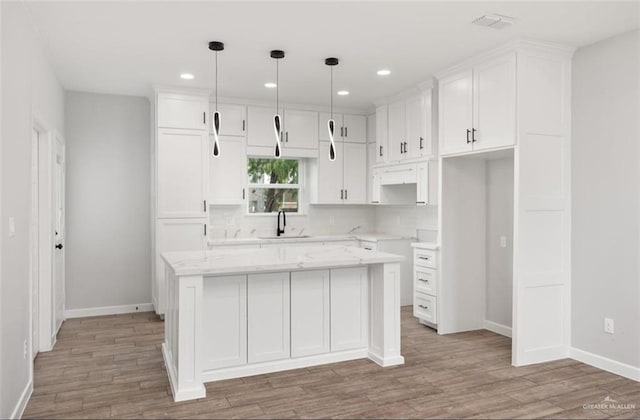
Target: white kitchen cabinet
point(260, 134)
point(329, 176)
point(184, 234)
point(310, 313)
point(233, 119)
point(397, 135)
point(300, 130)
point(268, 300)
point(182, 173)
point(422, 183)
point(349, 308)
point(478, 107)
point(371, 158)
point(224, 343)
point(182, 111)
point(382, 128)
point(426, 144)
point(349, 128)
point(409, 128)
point(355, 173)
point(375, 186)
point(371, 128)
point(228, 172)
point(425, 283)
point(414, 126)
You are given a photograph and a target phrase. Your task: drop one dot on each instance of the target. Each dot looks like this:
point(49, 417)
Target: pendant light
point(216, 46)
point(331, 124)
point(277, 121)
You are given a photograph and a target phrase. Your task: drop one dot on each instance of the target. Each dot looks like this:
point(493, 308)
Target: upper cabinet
point(382, 129)
point(233, 119)
point(182, 111)
point(342, 181)
point(478, 107)
point(299, 132)
point(409, 128)
point(228, 172)
point(349, 128)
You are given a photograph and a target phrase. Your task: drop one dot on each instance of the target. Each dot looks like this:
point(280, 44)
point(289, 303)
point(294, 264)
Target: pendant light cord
point(277, 86)
point(216, 80)
point(331, 92)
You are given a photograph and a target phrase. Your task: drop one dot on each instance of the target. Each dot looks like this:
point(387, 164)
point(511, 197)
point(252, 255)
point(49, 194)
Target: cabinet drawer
point(425, 307)
point(426, 280)
point(424, 258)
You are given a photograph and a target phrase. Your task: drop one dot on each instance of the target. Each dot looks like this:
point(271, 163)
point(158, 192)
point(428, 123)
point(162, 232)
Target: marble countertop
point(372, 237)
point(236, 261)
point(426, 245)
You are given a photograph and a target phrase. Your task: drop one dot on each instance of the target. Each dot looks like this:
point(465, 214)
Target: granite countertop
point(372, 237)
point(235, 261)
point(426, 245)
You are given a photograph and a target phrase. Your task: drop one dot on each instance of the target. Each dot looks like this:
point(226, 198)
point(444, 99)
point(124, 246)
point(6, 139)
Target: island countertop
point(235, 261)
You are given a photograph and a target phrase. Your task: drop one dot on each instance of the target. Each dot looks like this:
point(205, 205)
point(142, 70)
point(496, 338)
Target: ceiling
point(127, 47)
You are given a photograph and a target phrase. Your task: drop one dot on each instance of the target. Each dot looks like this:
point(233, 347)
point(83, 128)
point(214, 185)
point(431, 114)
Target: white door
point(309, 313)
point(175, 235)
point(381, 134)
point(330, 175)
point(494, 103)
point(413, 118)
point(268, 317)
point(455, 112)
point(349, 308)
point(224, 343)
point(260, 128)
point(59, 233)
point(301, 129)
point(233, 119)
point(355, 173)
point(323, 129)
point(397, 135)
point(35, 243)
point(183, 162)
point(355, 128)
point(183, 111)
point(228, 172)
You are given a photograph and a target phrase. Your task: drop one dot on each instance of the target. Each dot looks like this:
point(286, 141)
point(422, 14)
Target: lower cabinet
point(268, 317)
point(309, 313)
point(349, 308)
point(225, 344)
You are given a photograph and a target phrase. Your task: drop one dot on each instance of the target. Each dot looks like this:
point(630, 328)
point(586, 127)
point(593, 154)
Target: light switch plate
point(608, 326)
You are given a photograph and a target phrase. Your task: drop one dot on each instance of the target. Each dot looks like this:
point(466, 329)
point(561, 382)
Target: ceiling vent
point(494, 21)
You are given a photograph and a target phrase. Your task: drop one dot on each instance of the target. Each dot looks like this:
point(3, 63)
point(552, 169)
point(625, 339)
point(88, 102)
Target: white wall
point(499, 223)
point(108, 189)
point(29, 87)
point(606, 198)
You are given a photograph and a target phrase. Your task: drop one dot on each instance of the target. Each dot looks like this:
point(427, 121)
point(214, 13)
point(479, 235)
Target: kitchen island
point(241, 312)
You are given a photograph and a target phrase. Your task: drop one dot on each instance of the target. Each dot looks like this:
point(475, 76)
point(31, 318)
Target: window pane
point(269, 200)
point(273, 171)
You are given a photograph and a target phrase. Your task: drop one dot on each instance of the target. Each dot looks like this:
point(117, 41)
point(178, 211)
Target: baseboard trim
point(108, 310)
point(605, 363)
point(18, 411)
point(497, 328)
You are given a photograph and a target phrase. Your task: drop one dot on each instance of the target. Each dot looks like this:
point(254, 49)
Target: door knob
point(59, 246)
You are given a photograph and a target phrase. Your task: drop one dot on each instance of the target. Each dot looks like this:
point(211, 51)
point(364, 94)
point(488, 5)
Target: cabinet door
point(228, 171)
point(183, 111)
point(371, 159)
point(268, 317)
point(397, 135)
point(422, 184)
point(309, 313)
point(371, 128)
point(224, 343)
point(323, 130)
point(175, 235)
point(375, 187)
point(455, 112)
point(355, 128)
point(349, 308)
point(426, 142)
point(260, 132)
point(301, 129)
point(414, 136)
point(381, 134)
point(330, 175)
point(233, 119)
point(494, 106)
point(355, 173)
point(183, 172)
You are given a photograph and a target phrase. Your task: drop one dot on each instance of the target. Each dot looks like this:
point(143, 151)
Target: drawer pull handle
point(424, 258)
point(423, 307)
point(424, 280)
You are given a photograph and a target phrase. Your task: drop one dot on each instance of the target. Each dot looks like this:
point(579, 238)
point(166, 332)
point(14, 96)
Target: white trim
point(108, 310)
point(18, 410)
point(184, 395)
point(605, 363)
point(497, 328)
point(386, 362)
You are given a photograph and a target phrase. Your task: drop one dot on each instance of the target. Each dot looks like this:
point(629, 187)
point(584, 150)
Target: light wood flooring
point(112, 367)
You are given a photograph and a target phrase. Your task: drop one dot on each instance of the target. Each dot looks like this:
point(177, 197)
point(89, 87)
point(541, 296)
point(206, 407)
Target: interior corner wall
point(606, 199)
point(108, 189)
point(29, 89)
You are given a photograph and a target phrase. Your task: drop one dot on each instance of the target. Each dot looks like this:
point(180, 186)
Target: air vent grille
point(494, 21)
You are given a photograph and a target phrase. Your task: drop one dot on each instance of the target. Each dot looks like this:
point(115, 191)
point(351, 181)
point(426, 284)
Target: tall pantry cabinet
point(181, 180)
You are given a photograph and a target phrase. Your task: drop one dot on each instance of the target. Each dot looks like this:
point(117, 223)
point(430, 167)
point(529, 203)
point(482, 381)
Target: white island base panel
point(236, 325)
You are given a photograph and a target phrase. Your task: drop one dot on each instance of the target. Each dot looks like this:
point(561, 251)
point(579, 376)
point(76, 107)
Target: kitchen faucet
point(284, 222)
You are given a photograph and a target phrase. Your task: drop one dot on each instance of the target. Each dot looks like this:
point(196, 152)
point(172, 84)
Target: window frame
point(299, 186)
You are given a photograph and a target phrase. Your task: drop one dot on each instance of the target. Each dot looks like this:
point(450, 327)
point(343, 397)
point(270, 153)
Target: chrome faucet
point(284, 222)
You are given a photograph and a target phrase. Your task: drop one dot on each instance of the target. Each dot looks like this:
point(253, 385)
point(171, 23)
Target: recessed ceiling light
point(186, 76)
point(343, 92)
point(270, 85)
point(384, 72)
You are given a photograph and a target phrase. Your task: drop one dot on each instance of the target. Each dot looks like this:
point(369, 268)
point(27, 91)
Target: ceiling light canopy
point(186, 76)
point(384, 72)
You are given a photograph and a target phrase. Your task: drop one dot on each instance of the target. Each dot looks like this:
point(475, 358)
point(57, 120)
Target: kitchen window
point(274, 185)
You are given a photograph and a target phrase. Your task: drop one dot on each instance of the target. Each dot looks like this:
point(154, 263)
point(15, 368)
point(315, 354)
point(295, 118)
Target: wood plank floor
point(112, 367)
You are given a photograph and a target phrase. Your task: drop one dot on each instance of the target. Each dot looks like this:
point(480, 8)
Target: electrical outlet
point(24, 349)
point(608, 326)
point(503, 242)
